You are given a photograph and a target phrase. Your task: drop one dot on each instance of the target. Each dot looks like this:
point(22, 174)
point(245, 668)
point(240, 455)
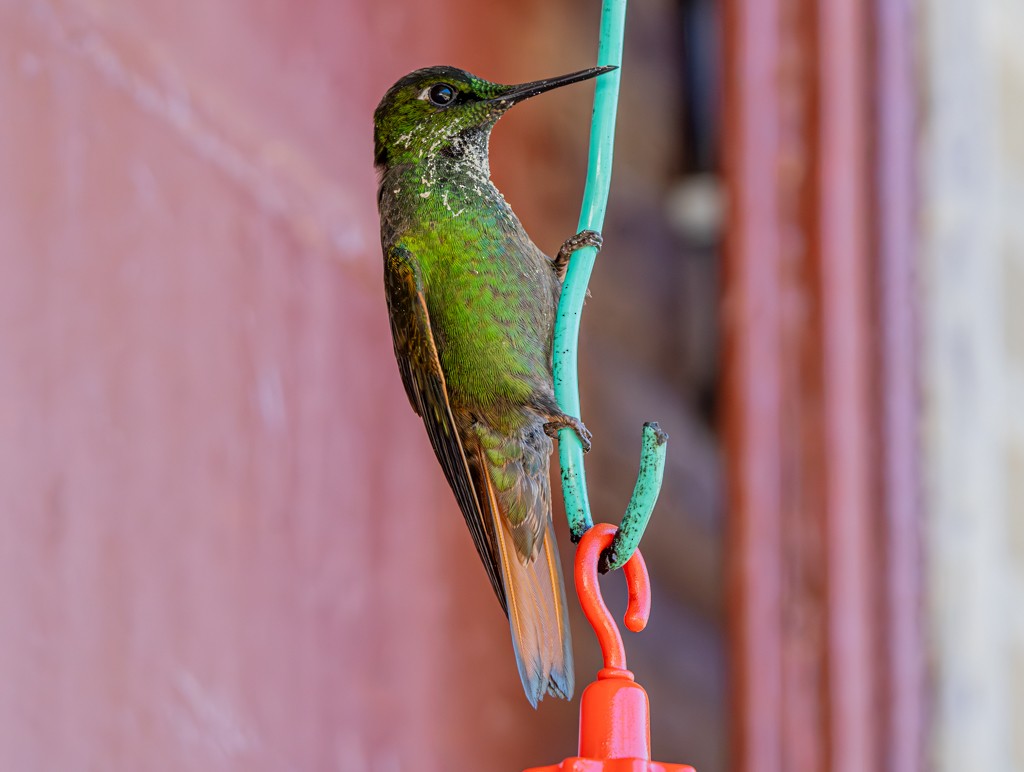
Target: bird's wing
point(530, 590)
point(416, 352)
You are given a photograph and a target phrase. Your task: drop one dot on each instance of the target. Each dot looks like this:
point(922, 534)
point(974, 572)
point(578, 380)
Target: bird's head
point(447, 110)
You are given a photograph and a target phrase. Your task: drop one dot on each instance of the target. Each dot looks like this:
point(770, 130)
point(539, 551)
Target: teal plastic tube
point(570, 309)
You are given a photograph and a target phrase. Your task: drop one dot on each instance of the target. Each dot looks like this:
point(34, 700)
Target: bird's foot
point(559, 422)
point(580, 240)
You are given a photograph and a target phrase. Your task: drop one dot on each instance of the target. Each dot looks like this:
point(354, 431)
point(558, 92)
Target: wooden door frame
point(820, 398)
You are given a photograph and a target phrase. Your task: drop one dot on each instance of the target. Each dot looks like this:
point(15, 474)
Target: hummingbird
point(472, 303)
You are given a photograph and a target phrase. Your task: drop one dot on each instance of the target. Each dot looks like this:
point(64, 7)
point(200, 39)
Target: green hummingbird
point(472, 303)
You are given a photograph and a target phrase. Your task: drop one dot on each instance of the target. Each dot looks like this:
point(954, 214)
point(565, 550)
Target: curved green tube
point(570, 308)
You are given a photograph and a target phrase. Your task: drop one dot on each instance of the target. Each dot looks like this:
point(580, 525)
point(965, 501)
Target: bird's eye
point(441, 94)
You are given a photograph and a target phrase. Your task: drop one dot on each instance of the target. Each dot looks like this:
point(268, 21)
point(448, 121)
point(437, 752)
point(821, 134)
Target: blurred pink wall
point(224, 544)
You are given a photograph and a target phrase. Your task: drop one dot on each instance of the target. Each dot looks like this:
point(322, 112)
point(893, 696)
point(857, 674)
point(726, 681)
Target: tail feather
point(562, 679)
point(537, 613)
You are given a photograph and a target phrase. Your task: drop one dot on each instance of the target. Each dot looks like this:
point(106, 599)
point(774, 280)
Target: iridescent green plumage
point(472, 303)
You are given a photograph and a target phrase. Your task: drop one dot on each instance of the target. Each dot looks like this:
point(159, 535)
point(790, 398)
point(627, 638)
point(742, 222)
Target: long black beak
point(527, 90)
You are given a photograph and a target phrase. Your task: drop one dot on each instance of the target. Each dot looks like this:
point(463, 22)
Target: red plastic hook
point(638, 581)
point(615, 718)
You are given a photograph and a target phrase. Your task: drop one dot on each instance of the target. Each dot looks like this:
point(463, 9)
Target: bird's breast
point(490, 295)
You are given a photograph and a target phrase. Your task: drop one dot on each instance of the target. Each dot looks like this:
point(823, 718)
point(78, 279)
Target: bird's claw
point(551, 429)
point(586, 238)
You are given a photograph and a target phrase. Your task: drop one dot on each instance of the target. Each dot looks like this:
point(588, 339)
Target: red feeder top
point(615, 719)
